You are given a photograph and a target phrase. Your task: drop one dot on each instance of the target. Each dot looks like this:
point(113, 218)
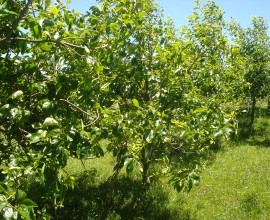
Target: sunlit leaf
point(54, 10)
point(18, 94)
point(50, 122)
point(135, 103)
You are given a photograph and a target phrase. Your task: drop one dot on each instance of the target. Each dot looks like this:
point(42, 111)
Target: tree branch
point(194, 62)
point(76, 107)
point(81, 110)
point(17, 21)
point(63, 43)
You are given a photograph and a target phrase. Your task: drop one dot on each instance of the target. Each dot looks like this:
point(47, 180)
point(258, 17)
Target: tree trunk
point(145, 163)
point(252, 113)
point(268, 105)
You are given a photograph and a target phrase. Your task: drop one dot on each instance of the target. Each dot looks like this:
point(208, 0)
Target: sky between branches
point(179, 10)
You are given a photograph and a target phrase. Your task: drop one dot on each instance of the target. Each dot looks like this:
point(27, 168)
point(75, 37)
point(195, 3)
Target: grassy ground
point(235, 186)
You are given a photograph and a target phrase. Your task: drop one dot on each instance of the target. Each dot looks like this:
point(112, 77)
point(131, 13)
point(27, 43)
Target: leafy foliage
point(117, 79)
point(252, 46)
point(41, 124)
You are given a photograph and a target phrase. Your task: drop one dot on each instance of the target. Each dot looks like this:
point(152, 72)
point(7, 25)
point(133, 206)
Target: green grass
point(236, 185)
point(99, 168)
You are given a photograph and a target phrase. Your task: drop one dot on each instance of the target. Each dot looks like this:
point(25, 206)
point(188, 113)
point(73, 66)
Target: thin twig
point(83, 164)
point(74, 106)
point(93, 122)
point(66, 38)
point(24, 131)
point(194, 62)
point(67, 49)
point(81, 110)
point(65, 172)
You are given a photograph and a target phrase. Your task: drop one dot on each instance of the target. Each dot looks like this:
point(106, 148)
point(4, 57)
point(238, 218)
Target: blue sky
point(179, 10)
point(239, 10)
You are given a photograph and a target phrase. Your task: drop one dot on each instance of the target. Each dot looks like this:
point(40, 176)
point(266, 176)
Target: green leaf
point(6, 106)
point(3, 204)
point(28, 203)
point(54, 10)
point(190, 184)
point(86, 49)
point(178, 186)
point(130, 166)
point(46, 47)
point(104, 143)
point(35, 138)
point(26, 213)
point(17, 95)
point(150, 136)
point(70, 182)
point(36, 29)
point(129, 163)
point(50, 122)
point(105, 87)
point(179, 124)
point(218, 133)
point(3, 190)
point(14, 112)
point(41, 87)
point(98, 68)
point(136, 103)
point(8, 212)
point(67, 17)
point(37, 125)
point(47, 23)
point(21, 195)
point(5, 12)
point(142, 14)
point(46, 105)
point(200, 110)
point(47, 3)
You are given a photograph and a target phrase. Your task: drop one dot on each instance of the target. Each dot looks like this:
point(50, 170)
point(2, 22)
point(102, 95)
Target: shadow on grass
point(251, 205)
point(244, 129)
point(259, 143)
point(123, 199)
point(259, 133)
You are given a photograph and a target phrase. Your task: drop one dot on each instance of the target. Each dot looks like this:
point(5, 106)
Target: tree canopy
point(121, 80)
